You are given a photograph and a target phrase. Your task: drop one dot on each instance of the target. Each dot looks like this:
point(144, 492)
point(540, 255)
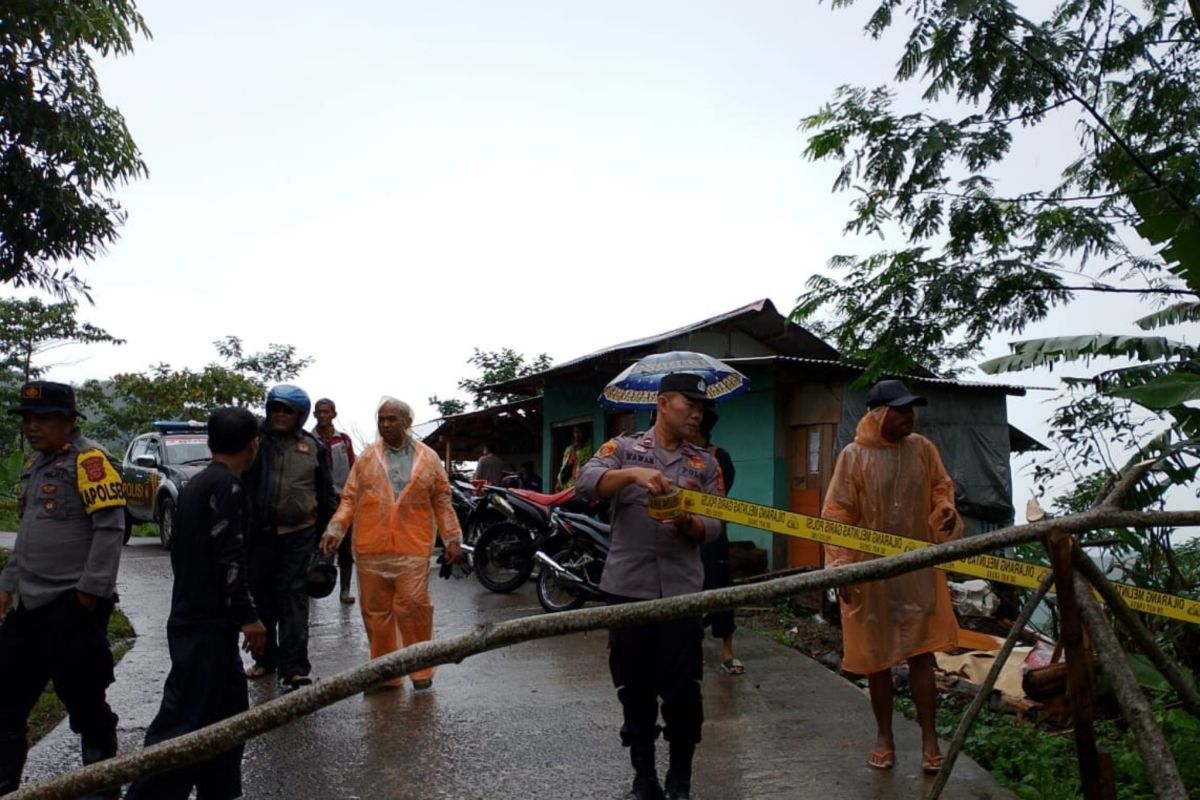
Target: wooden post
point(1080, 688)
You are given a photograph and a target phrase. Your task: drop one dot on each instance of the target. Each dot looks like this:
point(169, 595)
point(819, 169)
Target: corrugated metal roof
point(1007, 388)
point(759, 319)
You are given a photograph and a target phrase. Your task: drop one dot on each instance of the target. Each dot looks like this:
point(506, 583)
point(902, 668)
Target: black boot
point(96, 749)
point(679, 774)
point(13, 749)
point(645, 774)
point(344, 572)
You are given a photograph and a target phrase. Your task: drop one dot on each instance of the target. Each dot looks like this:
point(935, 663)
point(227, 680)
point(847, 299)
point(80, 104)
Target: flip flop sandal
point(295, 682)
point(931, 764)
point(258, 671)
point(733, 667)
point(882, 758)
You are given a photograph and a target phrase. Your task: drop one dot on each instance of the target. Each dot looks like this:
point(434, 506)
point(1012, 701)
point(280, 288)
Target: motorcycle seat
point(545, 500)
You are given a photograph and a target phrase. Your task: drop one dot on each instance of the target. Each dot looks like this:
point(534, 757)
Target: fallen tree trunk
point(1141, 636)
point(1161, 770)
point(210, 741)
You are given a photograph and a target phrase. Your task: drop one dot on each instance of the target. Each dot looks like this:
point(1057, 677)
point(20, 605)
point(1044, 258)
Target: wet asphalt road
point(537, 720)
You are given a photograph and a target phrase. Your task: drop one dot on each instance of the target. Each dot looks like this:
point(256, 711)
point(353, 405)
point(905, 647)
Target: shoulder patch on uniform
point(98, 482)
point(607, 449)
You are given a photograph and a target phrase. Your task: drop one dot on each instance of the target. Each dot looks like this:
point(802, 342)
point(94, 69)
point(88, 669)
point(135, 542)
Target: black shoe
point(677, 794)
point(645, 789)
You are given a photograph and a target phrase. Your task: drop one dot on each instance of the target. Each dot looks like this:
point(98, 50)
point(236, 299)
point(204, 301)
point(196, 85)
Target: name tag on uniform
point(98, 482)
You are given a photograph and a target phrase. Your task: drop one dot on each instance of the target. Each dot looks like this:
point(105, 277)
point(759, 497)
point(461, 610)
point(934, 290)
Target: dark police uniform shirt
point(208, 554)
point(650, 559)
point(72, 510)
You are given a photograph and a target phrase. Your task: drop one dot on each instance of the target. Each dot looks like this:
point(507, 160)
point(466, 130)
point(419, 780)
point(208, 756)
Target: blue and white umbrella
point(637, 386)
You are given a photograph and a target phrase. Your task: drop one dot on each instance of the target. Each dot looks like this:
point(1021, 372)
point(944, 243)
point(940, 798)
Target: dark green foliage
point(976, 263)
point(63, 150)
point(495, 366)
point(126, 404)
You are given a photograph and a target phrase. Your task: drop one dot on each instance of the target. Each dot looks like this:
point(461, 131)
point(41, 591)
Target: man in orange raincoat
point(398, 499)
point(891, 479)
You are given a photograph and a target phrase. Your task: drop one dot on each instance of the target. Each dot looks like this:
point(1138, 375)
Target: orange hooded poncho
point(903, 488)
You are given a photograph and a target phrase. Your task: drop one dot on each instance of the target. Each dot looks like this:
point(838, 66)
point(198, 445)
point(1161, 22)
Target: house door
point(810, 465)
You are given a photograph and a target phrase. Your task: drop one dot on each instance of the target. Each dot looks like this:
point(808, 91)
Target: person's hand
point(453, 552)
point(947, 518)
point(651, 480)
point(5, 604)
point(329, 543)
point(254, 638)
point(86, 600)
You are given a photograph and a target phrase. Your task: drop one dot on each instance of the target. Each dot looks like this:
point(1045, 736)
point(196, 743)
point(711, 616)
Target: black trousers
point(278, 565)
point(658, 660)
point(718, 573)
point(65, 643)
point(206, 685)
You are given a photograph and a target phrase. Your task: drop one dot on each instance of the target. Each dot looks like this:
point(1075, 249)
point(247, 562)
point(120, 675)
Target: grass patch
point(1039, 764)
point(8, 519)
point(49, 710)
point(145, 530)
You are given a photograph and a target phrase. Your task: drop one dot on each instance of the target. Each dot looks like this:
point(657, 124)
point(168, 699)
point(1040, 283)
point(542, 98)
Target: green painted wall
point(747, 429)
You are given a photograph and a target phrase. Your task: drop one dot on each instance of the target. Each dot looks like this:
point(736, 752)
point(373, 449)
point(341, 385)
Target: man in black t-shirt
point(210, 604)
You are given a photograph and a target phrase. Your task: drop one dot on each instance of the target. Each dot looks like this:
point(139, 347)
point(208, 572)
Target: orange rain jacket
point(903, 488)
point(401, 526)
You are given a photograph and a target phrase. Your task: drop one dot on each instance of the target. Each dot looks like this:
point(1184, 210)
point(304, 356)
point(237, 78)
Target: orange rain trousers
point(396, 609)
point(903, 488)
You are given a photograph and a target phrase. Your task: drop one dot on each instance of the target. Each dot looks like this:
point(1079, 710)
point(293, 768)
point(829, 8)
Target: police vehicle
point(156, 466)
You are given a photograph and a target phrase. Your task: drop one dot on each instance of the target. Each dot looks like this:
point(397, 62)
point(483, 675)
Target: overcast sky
point(386, 185)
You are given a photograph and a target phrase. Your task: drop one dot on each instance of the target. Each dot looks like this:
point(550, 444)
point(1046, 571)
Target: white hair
point(404, 408)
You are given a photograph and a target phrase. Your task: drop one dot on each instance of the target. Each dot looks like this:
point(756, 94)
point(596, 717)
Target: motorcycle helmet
point(321, 576)
point(292, 396)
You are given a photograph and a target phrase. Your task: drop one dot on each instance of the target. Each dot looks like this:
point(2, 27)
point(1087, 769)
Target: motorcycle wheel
point(503, 557)
point(553, 596)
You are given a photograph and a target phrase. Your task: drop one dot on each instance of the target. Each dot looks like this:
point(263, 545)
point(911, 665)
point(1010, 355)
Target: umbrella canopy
point(637, 386)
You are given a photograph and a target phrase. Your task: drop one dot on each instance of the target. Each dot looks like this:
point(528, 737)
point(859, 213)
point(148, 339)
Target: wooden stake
point(1080, 688)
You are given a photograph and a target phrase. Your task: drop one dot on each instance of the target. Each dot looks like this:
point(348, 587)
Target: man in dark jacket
point(292, 493)
point(210, 603)
point(58, 590)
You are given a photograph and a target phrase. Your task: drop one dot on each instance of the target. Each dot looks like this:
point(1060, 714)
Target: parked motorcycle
point(504, 552)
point(475, 512)
point(571, 576)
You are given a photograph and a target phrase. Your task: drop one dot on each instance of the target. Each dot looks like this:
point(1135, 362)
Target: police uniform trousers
point(206, 685)
point(658, 660)
point(278, 568)
point(65, 643)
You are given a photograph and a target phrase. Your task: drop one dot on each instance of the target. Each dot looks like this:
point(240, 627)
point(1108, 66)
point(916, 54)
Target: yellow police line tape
point(992, 568)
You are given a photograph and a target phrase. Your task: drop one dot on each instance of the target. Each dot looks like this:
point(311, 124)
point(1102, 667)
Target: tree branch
point(208, 742)
point(1140, 635)
point(1161, 769)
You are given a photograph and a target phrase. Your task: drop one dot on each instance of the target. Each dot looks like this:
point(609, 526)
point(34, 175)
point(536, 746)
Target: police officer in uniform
point(652, 559)
point(58, 590)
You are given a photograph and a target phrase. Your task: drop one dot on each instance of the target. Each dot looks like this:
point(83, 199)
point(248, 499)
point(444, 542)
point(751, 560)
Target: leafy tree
point(125, 405)
point(977, 261)
point(28, 329)
point(495, 366)
point(983, 254)
point(63, 149)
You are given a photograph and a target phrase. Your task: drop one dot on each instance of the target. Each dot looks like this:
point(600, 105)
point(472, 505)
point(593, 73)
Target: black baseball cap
point(47, 397)
point(688, 384)
point(893, 393)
